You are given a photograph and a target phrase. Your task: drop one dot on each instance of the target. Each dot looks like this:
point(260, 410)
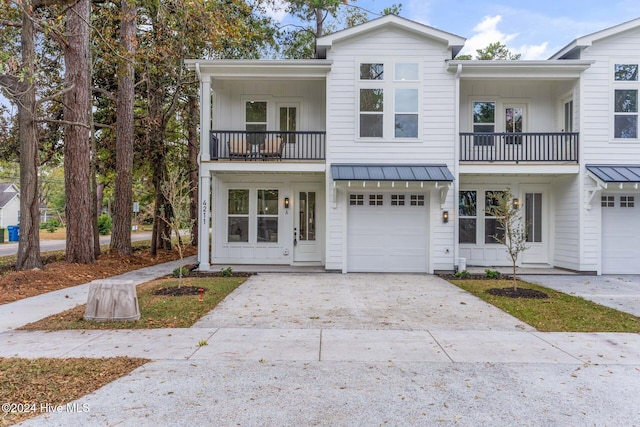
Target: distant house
point(382, 154)
point(9, 205)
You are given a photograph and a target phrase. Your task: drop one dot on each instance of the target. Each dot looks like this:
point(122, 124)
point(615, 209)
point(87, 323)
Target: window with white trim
point(375, 199)
point(417, 200)
point(607, 201)
point(493, 231)
point(389, 107)
point(625, 101)
point(468, 215)
point(267, 216)
point(356, 199)
point(484, 121)
point(397, 200)
point(238, 216)
point(627, 201)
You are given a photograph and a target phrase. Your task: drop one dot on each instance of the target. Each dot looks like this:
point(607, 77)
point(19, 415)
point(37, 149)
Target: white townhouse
point(379, 156)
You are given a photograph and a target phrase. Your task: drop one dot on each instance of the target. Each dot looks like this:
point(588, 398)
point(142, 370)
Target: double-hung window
point(625, 101)
point(389, 102)
point(252, 215)
point(468, 213)
point(238, 216)
point(484, 121)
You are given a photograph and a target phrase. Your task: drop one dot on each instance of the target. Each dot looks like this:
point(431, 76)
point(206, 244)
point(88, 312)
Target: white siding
point(9, 213)
point(437, 102)
point(567, 203)
point(230, 95)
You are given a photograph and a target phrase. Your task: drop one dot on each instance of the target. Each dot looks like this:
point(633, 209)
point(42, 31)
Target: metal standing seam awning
point(623, 176)
point(436, 173)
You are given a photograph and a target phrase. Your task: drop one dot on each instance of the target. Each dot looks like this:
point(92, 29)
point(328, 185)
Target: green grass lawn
point(558, 313)
point(156, 311)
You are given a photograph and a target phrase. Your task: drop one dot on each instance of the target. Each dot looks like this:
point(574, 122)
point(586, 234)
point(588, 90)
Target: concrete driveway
point(621, 292)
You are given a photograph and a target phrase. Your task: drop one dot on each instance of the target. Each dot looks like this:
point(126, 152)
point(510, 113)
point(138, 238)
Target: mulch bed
point(176, 291)
point(517, 293)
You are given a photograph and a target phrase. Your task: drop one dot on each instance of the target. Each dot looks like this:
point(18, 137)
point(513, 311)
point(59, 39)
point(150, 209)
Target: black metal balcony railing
point(267, 145)
point(519, 147)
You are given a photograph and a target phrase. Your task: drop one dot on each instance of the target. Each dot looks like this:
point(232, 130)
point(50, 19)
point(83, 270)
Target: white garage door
point(387, 232)
point(620, 234)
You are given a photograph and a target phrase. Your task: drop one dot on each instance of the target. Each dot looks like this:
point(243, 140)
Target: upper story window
point(625, 101)
point(256, 115)
point(484, 121)
point(389, 103)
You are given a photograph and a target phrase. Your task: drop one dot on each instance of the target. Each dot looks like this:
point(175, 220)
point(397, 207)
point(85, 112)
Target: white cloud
point(487, 32)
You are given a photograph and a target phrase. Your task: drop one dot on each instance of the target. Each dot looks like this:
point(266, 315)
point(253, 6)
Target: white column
point(205, 117)
point(204, 215)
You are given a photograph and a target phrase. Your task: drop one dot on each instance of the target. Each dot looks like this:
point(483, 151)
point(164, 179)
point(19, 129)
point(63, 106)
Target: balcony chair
point(238, 149)
point(272, 148)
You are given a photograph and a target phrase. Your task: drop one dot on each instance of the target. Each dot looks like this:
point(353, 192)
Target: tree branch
point(54, 97)
point(104, 92)
point(63, 122)
point(104, 126)
point(8, 23)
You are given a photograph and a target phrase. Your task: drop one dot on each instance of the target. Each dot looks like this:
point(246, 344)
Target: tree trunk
point(192, 153)
point(77, 155)
point(122, 207)
point(28, 256)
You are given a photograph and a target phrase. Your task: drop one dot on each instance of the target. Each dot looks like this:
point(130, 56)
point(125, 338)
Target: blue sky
point(536, 29)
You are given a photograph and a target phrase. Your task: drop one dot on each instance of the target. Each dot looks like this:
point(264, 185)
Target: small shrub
point(226, 272)
point(104, 224)
point(464, 274)
point(176, 272)
point(50, 225)
point(492, 274)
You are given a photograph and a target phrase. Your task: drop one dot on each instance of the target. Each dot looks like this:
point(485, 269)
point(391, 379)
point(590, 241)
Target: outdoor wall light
point(286, 203)
point(516, 203)
point(445, 216)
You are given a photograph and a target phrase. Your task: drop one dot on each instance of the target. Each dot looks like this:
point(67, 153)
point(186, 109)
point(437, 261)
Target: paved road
point(56, 245)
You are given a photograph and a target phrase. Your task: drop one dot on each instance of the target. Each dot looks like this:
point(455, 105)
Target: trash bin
point(1, 235)
point(14, 233)
point(462, 264)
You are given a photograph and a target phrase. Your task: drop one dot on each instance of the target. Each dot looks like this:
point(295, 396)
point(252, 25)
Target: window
point(256, 120)
point(288, 122)
point(467, 212)
point(267, 218)
point(607, 201)
point(417, 200)
point(375, 200)
point(389, 106)
point(397, 200)
point(625, 101)
point(533, 217)
point(493, 232)
point(627, 201)
point(484, 121)
point(626, 72)
point(238, 216)
point(406, 113)
point(568, 116)
point(371, 71)
point(356, 200)
point(371, 113)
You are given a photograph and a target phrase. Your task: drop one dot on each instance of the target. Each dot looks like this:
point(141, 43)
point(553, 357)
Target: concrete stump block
point(112, 300)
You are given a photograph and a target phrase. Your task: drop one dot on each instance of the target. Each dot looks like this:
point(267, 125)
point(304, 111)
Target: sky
point(536, 29)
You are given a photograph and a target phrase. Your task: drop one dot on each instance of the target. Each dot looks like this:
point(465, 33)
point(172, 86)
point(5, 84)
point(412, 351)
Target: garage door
point(620, 234)
point(387, 232)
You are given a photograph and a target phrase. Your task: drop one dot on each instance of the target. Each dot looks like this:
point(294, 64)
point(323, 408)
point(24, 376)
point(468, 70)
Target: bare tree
point(192, 161)
point(512, 232)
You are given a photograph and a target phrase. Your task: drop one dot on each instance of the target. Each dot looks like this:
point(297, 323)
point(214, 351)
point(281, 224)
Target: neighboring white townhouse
point(379, 156)
point(9, 205)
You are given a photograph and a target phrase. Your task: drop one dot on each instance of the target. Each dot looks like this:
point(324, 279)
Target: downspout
point(456, 169)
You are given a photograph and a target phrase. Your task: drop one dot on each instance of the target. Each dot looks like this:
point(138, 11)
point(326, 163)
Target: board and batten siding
point(596, 129)
point(435, 142)
point(566, 213)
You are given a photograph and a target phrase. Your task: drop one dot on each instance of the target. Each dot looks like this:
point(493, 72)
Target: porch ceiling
point(263, 69)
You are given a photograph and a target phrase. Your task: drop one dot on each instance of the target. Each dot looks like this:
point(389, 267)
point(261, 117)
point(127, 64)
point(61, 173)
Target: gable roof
point(573, 49)
point(454, 42)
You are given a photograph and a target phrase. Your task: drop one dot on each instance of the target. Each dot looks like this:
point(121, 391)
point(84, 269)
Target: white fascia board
point(238, 69)
point(260, 166)
point(451, 40)
point(519, 69)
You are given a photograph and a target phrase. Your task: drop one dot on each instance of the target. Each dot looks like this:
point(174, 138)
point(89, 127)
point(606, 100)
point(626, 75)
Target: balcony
point(266, 145)
point(535, 147)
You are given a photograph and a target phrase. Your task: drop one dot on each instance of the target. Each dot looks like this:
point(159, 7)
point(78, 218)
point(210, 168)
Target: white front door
point(306, 232)
point(536, 219)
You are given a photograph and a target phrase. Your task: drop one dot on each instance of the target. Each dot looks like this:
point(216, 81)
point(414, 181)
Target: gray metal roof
point(615, 173)
point(378, 172)
point(6, 198)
